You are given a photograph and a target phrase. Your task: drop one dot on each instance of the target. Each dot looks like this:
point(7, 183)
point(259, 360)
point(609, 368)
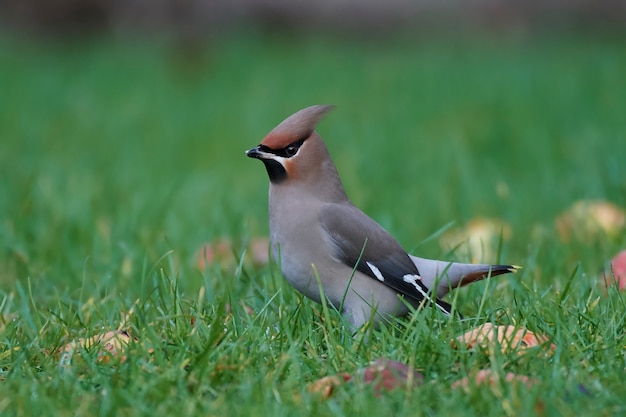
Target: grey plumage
point(316, 232)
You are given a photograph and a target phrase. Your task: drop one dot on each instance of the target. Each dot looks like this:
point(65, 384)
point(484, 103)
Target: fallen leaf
point(488, 337)
point(478, 240)
point(259, 250)
point(588, 219)
point(491, 379)
point(325, 386)
point(615, 274)
point(221, 252)
point(382, 375)
point(386, 374)
point(109, 345)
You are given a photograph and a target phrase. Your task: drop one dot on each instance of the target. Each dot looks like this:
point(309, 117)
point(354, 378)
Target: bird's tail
point(440, 276)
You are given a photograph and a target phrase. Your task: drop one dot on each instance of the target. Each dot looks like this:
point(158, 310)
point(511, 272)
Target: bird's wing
point(358, 241)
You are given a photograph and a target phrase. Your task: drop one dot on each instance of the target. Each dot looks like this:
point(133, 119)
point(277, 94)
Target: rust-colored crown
point(298, 126)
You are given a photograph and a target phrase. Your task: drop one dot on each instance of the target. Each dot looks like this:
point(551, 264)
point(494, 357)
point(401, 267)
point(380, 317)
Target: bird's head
point(293, 151)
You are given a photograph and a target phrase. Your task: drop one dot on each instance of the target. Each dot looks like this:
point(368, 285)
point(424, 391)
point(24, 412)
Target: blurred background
point(202, 17)
point(123, 126)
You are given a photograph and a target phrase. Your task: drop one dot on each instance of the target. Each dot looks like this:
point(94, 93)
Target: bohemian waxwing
point(317, 234)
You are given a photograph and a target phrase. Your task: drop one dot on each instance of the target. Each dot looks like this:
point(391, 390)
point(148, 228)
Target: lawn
point(120, 159)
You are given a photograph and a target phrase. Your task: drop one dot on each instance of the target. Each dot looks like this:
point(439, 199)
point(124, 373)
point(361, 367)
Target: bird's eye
point(291, 150)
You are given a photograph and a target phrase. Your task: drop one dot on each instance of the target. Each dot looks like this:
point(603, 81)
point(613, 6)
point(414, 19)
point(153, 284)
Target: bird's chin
point(275, 170)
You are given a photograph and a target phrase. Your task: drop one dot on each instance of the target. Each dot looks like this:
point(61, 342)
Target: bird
point(328, 248)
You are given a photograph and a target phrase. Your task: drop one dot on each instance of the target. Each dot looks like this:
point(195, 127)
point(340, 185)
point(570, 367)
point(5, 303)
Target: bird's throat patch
point(275, 170)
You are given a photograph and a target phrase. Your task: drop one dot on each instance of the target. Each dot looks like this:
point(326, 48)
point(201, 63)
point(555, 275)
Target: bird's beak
point(257, 153)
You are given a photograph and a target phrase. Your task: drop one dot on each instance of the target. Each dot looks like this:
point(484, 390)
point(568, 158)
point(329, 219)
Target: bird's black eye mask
point(275, 169)
point(286, 152)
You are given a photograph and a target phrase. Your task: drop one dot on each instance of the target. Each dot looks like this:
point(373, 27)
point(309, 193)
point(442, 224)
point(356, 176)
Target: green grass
point(120, 159)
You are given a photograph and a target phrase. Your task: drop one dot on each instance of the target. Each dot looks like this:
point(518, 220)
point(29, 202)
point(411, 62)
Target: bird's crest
point(298, 126)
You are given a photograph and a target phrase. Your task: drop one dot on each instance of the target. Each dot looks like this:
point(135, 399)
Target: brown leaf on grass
point(492, 379)
point(489, 337)
point(386, 375)
point(258, 247)
point(246, 308)
point(588, 219)
point(221, 252)
point(615, 274)
point(108, 345)
point(326, 386)
point(478, 240)
point(382, 375)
